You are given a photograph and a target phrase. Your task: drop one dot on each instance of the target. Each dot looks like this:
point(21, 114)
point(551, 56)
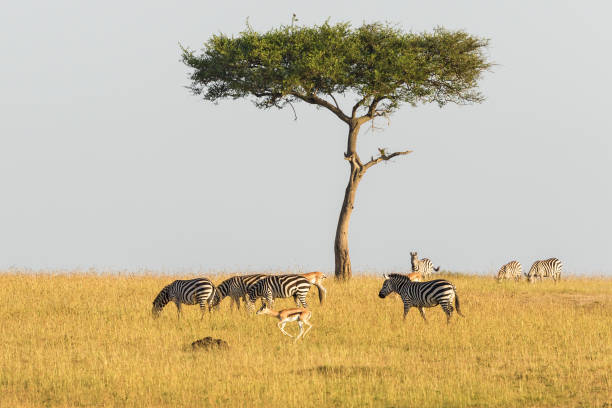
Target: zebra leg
point(303, 301)
point(448, 309)
point(297, 301)
point(281, 326)
point(422, 314)
point(178, 309)
point(406, 308)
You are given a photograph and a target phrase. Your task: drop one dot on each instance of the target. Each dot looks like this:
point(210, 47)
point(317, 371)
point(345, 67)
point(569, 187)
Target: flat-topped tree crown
point(378, 64)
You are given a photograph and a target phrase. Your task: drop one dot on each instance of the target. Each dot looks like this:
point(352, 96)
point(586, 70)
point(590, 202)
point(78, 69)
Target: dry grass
point(87, 340)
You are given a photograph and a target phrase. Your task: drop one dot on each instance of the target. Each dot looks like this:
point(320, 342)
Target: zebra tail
point(322, 292)
point(436, 269)
point(457, 304)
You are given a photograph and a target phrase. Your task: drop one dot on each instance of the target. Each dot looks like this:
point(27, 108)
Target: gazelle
point(415, 277)
point(290, 315)
point(316, 278)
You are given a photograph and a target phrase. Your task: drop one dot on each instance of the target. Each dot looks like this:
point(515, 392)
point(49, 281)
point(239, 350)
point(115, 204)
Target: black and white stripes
point(511, 270)
point(423, 266)
point(189, 292)
point(279, 286)
point(422, 294)
point(236, 287)
point(548, 268)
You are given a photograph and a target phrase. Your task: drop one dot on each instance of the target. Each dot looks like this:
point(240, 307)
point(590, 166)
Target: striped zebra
point(236, 287)
point(511, 270)
point(548, 268)
point(424, 266)
point(279, 286)
point(422, 294)
point(188, 292)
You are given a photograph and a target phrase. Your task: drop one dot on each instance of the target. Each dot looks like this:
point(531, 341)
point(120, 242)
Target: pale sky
point(107, 161)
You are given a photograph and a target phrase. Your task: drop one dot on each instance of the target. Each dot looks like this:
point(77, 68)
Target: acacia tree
point(378, 65)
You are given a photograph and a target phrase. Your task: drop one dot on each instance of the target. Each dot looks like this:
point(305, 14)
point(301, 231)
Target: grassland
point(87, 340)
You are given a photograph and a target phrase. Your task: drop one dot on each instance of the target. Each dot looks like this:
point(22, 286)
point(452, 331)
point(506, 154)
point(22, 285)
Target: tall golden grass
point(88, 340)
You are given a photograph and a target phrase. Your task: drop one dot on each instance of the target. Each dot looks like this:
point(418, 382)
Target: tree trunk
point(341, 250)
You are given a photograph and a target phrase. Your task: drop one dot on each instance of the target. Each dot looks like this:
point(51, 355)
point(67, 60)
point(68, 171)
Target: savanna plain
point(84, 339)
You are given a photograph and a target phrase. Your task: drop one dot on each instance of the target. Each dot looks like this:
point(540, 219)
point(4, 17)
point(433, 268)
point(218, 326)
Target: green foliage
point(376, 62)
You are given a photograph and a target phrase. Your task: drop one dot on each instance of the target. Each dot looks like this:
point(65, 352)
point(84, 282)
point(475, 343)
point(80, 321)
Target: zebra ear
point(385, 276)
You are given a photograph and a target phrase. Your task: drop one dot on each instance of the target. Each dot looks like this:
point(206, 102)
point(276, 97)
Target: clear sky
point(107, 161)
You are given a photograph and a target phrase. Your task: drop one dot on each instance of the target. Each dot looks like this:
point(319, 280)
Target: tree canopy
point(379, 63)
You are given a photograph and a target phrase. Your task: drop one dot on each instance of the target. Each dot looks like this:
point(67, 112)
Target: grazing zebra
point(279, 286)
point(422, 294)
point(512, 269)
point(548, 268)
point(236, 287)
point(189, 292)
point(424, 266)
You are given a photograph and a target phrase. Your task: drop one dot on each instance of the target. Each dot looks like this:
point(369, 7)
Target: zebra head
point(160, 301)
point(216, 299)
point(253, 293)
point(387, 287)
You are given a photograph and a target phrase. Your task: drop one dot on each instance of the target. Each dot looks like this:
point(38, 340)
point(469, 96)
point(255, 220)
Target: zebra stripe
point(548, 268)
point(279, 286)
point(189, 292)
point(424, 266)
point(422, 294)
point(511, 270)
point(236, 287)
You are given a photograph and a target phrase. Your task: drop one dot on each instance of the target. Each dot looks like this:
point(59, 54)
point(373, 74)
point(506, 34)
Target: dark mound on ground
point(208, 343)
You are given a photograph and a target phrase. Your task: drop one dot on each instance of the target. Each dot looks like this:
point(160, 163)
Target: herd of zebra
point(412, 289)
point(547, 268)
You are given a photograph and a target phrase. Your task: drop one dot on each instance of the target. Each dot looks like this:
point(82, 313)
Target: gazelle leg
point(308, 329)
point(281, 326)
point(301, 330)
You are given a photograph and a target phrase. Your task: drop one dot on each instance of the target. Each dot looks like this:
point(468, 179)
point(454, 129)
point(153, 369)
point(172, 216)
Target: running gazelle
point(423, 266)
point(189, 292)
point(547, 268)
point(511, 270)
point(422, 294)
point(285, 316)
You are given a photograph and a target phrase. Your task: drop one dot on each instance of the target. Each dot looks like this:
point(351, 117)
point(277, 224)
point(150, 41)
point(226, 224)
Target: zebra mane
point(398, 275)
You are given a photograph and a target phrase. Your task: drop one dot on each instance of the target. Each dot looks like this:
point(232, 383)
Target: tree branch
point(335, 101)
point(315, 100)
point(383, 157)
point(357, 105)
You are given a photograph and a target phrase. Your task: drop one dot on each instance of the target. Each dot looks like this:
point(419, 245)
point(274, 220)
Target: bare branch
point(357, 105)
point(315, 100)
point(290, 104)
point(384, 157)
point(335, 101)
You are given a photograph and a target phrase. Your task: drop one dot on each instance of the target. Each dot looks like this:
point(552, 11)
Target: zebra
point(189, 292)
point(548, 268)
point(279, 286)
point(424, 266)
point(236, 288)
point(512, 269)
point(422, 294)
